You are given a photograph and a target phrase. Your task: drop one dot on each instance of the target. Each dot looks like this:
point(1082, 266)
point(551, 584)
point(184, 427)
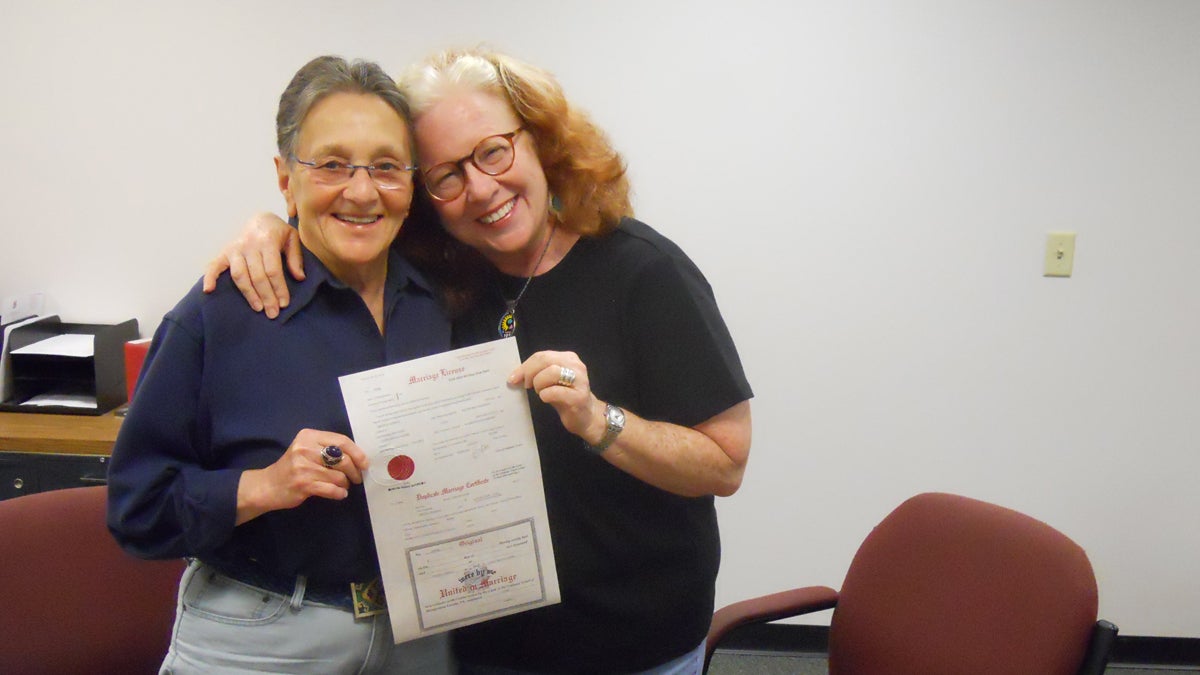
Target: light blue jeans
point(226, 626)
point(691, 663)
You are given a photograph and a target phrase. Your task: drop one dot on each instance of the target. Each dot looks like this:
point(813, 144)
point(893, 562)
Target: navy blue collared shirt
point(224, 389)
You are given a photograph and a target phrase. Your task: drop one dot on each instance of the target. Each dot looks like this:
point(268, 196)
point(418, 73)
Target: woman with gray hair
point(236, 451)
point(640, 405)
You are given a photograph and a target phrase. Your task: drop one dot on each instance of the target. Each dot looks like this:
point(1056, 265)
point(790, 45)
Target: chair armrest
point(1104, 635)
point(765, 609)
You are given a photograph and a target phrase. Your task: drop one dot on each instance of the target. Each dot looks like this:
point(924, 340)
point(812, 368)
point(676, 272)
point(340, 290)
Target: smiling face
point(504, 217)
point(349, 227)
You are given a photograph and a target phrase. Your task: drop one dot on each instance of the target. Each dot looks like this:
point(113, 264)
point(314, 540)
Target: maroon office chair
point(71, 601)
point(948, 585)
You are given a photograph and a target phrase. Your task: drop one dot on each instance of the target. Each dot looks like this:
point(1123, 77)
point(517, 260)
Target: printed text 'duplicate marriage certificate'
point(454, 489)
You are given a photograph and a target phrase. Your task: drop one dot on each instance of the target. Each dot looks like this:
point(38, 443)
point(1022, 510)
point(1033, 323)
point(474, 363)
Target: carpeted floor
point(759, 663)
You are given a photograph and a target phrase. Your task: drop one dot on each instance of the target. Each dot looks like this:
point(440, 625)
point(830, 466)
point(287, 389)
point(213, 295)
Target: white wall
point(867, 184)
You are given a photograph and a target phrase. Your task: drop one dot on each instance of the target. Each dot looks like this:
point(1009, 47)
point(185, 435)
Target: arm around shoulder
point(254, 264)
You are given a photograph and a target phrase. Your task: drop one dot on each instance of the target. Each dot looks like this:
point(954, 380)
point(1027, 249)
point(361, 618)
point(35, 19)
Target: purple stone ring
point(331, 455)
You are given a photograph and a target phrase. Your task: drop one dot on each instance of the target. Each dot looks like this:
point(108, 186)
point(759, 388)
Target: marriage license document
point(454, 488)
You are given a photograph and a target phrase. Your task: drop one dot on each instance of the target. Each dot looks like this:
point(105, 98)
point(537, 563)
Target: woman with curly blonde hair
point(639, 401)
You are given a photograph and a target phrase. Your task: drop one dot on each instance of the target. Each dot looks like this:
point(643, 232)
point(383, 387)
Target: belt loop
point(298, 594)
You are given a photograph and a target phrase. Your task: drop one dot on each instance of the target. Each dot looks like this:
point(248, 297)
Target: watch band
point(614, 419)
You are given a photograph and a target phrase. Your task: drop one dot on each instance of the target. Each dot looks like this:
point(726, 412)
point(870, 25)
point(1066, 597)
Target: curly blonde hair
point(584, 172)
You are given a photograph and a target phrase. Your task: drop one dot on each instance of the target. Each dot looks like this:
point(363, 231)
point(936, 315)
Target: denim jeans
point(225, 626)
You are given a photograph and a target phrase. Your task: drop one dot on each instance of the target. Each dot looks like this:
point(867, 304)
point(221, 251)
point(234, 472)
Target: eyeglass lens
point(387, 175)
point(493, 156)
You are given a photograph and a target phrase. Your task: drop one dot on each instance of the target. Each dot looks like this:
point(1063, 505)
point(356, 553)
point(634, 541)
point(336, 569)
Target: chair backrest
point(71, 601)
point(949, 585)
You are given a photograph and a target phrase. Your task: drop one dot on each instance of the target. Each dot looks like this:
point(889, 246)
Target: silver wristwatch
point(614, 419)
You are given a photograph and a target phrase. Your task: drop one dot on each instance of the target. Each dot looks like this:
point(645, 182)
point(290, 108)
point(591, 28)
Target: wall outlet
point(17, 307)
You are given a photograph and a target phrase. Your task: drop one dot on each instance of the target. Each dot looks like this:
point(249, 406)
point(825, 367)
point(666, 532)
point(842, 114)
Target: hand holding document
point(454, 489)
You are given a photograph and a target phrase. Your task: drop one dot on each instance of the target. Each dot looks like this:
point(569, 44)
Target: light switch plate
point(1060, 254)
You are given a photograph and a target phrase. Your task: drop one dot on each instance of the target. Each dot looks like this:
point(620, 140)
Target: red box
point(135, 355)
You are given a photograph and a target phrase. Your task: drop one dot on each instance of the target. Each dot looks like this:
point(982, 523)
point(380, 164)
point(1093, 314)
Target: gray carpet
point(760, 663)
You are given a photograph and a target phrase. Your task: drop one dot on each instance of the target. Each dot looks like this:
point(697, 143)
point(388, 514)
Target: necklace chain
point(508, 321)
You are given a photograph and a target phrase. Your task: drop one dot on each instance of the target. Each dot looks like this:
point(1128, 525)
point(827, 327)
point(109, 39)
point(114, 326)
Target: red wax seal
point(401, 467)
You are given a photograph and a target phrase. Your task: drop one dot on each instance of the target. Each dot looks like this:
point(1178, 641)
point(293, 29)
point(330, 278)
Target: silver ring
point(332, 455)
point(566, 376)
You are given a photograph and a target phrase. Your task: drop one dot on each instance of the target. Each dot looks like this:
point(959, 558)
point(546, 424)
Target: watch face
point(616, 417)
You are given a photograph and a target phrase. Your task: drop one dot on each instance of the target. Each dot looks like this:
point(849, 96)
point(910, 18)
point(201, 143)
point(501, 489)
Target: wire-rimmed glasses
point(387, 175)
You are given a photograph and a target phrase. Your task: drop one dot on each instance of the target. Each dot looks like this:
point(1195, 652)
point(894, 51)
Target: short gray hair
point(327, 75)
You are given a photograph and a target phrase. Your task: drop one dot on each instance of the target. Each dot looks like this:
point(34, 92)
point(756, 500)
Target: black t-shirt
point(636, 564)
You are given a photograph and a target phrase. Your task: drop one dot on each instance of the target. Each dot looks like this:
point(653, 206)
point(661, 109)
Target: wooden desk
point(50, 452)
point(60, 434)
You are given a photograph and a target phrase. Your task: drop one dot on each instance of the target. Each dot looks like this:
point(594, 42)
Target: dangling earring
point(556, 206)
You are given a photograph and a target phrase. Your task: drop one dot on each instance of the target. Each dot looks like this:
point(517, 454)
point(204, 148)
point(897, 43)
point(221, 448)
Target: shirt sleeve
point(688, 366)
point(167, 496)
